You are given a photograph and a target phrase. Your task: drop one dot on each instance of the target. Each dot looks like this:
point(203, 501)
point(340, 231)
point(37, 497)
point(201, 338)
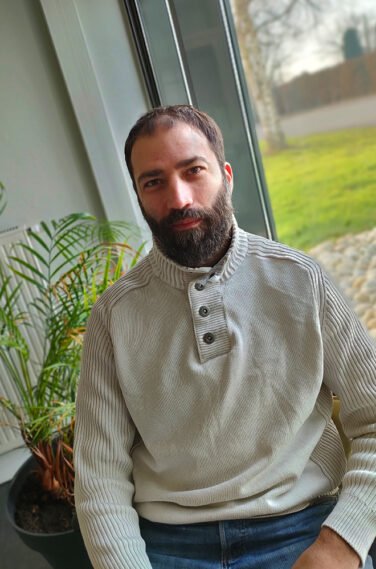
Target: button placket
point(203, 311)
point(210, 328)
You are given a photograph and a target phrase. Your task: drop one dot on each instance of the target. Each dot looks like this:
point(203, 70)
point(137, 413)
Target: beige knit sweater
point(205, 394)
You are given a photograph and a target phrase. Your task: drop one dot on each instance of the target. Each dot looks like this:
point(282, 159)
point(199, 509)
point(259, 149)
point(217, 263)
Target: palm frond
point(70, 263)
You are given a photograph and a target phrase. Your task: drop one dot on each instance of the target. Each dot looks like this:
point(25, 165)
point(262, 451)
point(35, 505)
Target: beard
point(197, 246)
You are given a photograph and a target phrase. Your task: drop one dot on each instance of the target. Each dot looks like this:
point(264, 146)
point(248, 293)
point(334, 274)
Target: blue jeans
point(258, 543)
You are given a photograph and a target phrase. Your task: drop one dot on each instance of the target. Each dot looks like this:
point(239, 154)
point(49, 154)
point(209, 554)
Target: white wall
point(43, 162)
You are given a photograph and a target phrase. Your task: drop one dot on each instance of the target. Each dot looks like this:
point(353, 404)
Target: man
point(203, 413)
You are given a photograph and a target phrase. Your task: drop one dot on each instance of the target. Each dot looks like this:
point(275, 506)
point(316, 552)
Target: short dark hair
point(168, 116)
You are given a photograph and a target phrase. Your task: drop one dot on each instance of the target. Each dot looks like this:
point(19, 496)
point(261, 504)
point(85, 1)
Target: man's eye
point(195, 169)
point(151, 183)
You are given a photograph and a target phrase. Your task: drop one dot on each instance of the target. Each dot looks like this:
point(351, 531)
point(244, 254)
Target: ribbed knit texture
point(182, 427)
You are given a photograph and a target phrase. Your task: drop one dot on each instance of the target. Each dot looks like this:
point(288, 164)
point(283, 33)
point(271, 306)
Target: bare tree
point(263, 26)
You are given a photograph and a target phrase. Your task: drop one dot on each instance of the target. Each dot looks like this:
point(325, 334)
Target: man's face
point(183, 194)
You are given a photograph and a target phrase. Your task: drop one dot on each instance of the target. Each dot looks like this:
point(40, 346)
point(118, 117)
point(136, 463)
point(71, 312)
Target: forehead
point(168, 145)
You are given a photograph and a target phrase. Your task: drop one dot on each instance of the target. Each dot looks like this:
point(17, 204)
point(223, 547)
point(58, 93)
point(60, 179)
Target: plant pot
point(61, 550)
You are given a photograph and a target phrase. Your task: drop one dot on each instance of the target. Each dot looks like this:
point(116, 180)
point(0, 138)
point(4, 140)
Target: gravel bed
point(351, 261)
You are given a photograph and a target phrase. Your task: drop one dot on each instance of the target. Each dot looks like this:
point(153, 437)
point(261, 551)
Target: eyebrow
point(189, 161)
point(180, 164)
point(149, 174)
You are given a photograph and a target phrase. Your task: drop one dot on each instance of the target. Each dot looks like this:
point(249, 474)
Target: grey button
point(199, 286)
point(203, 311)
point(208, 338)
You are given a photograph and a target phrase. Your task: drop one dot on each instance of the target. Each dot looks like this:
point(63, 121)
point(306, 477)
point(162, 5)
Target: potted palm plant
point(67, 265)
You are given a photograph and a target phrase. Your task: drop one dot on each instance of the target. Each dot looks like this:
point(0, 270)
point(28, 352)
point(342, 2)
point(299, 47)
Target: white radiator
point(10, 437)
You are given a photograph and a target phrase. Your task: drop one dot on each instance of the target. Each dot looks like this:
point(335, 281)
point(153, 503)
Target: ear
point(229, 175)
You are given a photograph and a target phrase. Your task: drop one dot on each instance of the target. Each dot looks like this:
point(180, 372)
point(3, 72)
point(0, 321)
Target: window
point(311, 71)
point(189, 54)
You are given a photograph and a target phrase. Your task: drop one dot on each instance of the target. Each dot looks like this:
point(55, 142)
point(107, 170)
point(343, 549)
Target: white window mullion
point(78, 69)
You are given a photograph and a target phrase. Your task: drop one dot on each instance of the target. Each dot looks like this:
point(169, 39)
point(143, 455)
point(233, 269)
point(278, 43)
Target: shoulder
point(266, 248)
point(283, 259)
point(134, 279)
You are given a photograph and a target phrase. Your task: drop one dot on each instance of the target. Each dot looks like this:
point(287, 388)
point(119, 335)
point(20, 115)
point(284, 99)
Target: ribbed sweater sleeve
point(350, 372)
point(103, 440)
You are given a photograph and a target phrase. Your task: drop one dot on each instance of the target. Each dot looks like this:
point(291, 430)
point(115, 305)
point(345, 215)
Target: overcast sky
point(320, 47)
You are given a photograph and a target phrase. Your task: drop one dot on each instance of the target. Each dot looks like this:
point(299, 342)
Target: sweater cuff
point(354, 522)
point(115, 557)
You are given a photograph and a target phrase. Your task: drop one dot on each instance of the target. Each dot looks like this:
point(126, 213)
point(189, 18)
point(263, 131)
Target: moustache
point(180, 214)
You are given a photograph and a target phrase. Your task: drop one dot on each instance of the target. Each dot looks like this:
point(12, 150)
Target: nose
point(180, 194)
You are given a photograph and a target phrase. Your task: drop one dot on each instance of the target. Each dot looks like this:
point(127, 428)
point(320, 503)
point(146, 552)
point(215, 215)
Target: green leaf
point(107, 268)
point(86, 299)
point(10, 406)
point(119, 265)
point(46, 229)
point(33, 252)
point(38, 239)
point(93, 289)
point(72, 219)
point(137, 256)
point(28, 266)
point(13, 295)
point(8, 342)
point(34, 282)
point(5, 282)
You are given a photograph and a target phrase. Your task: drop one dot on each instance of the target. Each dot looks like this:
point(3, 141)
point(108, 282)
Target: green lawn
point(323, 186)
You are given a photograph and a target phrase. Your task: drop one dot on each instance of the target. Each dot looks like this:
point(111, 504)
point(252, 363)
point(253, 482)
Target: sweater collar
point(178, 276)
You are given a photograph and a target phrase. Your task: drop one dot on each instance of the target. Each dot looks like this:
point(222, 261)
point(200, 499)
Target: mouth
point(187, 223)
